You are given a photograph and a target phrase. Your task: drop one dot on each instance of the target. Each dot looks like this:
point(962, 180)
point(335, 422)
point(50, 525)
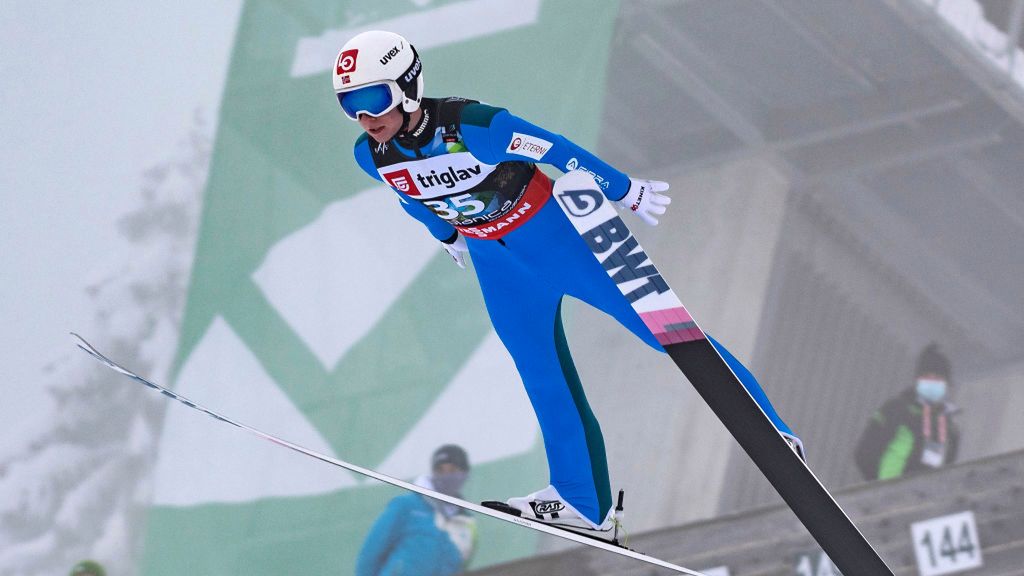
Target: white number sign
point(946, 544)
point(823, 566)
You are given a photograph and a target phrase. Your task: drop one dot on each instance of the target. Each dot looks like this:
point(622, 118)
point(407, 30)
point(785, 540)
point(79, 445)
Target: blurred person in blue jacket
point(420, 536)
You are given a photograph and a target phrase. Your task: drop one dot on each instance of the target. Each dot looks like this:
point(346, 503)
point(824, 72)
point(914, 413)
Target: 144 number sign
point(946, 544)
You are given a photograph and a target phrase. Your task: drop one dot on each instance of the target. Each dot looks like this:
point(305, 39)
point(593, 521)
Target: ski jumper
point(469, 168)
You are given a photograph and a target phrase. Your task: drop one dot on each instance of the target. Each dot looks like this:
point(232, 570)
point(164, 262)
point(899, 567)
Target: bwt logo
point(403, 182)
point(581, 203)
point(347, 61)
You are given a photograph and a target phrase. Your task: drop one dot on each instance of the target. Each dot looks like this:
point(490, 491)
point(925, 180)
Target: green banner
point(319, 310)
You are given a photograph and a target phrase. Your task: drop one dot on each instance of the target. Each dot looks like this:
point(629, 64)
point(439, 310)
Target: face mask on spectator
point(449, 483)
point(931, 390)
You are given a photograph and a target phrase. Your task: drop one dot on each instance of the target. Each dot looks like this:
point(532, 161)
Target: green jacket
point(894, 440)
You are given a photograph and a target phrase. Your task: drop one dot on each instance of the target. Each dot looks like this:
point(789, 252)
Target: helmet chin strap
point(407, 130)
point(406, 117)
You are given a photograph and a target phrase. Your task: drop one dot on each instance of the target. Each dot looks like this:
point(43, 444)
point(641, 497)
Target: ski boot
point(546, 506)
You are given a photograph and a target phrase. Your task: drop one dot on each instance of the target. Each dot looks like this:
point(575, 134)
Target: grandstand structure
point(847, 186)
point(981, 503)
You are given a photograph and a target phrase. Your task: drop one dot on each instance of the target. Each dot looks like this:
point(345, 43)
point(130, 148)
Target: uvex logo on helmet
point(391, 54)
point(347, 61)
point(413, 71)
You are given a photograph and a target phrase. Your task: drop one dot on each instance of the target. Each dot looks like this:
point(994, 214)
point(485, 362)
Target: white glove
point(644, 199)
point(458, 250)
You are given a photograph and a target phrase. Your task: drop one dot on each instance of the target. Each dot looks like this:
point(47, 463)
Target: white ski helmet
point(375, 72)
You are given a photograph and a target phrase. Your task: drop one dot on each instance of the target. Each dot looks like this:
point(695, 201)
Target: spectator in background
point(420, 536)
point(914, 431)
point(88, 568)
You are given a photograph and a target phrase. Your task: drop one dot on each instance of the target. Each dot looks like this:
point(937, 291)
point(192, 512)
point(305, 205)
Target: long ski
point(480, 509)
point(608, 237)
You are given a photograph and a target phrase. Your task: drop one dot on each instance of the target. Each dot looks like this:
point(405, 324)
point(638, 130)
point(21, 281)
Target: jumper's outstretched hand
point(645, 200)
point(458, 250)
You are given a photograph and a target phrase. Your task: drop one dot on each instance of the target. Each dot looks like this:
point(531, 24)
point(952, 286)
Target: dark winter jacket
point(894, 441)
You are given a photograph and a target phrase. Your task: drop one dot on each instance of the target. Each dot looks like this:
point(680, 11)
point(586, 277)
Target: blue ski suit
point(469, 168)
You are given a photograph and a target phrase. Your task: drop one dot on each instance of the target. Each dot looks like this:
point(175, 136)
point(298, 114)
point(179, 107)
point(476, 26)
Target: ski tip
point(80, 341)
point(92, 351)
point(83, 344)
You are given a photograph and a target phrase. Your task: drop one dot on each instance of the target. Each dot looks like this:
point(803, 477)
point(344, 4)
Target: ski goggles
point(374, 100)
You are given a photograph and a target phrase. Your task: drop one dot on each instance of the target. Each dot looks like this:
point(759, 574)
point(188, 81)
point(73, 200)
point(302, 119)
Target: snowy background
point(93, 97)
point(108, 112)
point(108, 116)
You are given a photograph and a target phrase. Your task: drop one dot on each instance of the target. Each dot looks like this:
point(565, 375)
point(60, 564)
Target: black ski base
point(505, 508)
point(794, 481)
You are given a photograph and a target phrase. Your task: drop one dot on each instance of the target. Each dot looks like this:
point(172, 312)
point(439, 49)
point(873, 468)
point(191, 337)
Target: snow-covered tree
point(81, 487)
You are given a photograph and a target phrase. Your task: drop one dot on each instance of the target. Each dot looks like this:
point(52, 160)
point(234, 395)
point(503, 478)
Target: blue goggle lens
point(373, 100)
